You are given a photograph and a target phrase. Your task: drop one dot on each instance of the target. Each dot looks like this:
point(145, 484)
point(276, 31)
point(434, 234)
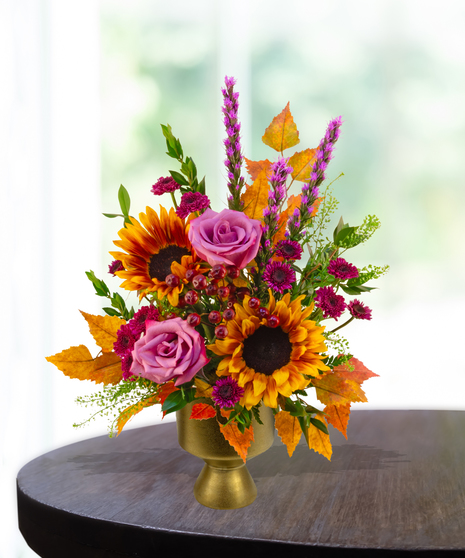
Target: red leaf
point(202, 411)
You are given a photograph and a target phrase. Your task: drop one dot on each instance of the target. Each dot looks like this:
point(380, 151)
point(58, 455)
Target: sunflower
point(268, 361)
point(152, 246)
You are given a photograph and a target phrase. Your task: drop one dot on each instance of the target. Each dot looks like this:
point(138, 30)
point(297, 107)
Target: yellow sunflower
point(268, 361)
point(151, 248)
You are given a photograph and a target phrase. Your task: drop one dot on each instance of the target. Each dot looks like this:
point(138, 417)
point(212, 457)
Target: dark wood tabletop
point(396, 487)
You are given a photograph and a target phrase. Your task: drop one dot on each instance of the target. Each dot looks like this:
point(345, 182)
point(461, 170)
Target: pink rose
point(229, 237)
point(169, 349)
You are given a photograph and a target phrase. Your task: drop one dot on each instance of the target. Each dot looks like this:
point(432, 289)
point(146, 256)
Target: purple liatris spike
point(232, 143)
point(280, 171)
point(324, 154)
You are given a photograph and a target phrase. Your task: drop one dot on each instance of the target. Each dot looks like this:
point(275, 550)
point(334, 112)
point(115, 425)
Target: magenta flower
point(279, 276)
point(126, 362)
point(116, 265)
point(190, 202)
point(342, 269)
point(169, 349)
point(359, 311)
point(232, 143)
point(163, 185)
point(289, 250)
point(227, 392)
point(137, 323)
point(229, 237)
point(125, 341)
point(332, 304)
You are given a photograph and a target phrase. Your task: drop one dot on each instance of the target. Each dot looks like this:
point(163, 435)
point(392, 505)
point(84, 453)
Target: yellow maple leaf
point(128, 413)
point(289, 430)
point(331, 389)
point(203, 388)
point(107, 369)
point(254, 168)
point(238, 440)
point(318, 440)
point(104, 329)
point(75, 362)
point(282, 133)
point(338, 416)
point(302, 164)
point(255, 198)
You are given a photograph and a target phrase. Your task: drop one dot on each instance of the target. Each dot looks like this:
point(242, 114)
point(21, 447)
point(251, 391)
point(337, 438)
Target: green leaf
point(99, 286)
point(256, 414)
point(179, 178)
point(320, 425)
point(201, 186)
point(112, 215)
point(174, 402)
point(124, 200)
point(111, 311)
point(345, 232)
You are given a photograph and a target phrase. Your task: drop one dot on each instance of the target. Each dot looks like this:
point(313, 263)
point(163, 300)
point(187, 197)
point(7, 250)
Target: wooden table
point(396, 486)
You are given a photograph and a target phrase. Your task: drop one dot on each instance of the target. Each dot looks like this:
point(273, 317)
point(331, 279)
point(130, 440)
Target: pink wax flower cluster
point(228, 238)
point(169, 350)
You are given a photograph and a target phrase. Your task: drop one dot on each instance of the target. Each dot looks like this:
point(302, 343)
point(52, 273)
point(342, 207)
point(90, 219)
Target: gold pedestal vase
point(224, 482)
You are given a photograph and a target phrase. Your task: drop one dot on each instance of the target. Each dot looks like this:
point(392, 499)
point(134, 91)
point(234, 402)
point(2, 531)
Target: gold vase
point(224, 482)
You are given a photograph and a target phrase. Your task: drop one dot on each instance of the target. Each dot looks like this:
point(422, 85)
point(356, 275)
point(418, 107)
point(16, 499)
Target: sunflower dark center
point(160, 264)
point(267, 350)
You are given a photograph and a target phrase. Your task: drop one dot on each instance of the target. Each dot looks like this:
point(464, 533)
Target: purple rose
point(169, 349)
point(229, 237)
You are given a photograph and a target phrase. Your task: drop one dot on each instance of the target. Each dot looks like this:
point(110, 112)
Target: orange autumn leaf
point(359, 374)
point(203, 389)
point(75, 362)
point(202, 411)
point(331, 389)
point(282, 133)
point(302, 164)
point(225, 413)
point(78, 363)
point(338, 416)
point(289, 430)
point(292, 203)
point(128, 413)
point(254, 168)
point(240, 442)
point(318, 440)
point(107, 369)
point(255, 198)
point(104, 329)
point(164, 391)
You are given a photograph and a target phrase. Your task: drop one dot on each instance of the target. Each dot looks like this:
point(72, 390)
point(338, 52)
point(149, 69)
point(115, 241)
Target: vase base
point(225, 488)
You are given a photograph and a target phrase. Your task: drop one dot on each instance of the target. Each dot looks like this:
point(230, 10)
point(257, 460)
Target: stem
point(174, 200)
point(342, 325)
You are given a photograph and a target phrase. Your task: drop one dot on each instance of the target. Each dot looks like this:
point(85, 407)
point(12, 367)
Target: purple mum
point(359, 311)
point(163, 185)
point(342, 269)
point(279, 276)
point(116, 265)
point(332, 304)
point(137, 323)
point(289, 250)
point(125, 341)
point(190, 202)
point(227, 392)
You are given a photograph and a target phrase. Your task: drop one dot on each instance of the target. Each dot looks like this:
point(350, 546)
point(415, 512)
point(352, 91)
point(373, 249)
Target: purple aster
point(279, 276)
point(359, 311)
point(190, 202)
point(232, 143)
point(116, 265)
point(226, 392)
point(137, 323)
point(163, 185)
point(332, 304)
point(125, 341)
point(289, 250)
point(342, 269)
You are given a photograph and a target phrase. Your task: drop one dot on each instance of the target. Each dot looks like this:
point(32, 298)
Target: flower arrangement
point(236, 306)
